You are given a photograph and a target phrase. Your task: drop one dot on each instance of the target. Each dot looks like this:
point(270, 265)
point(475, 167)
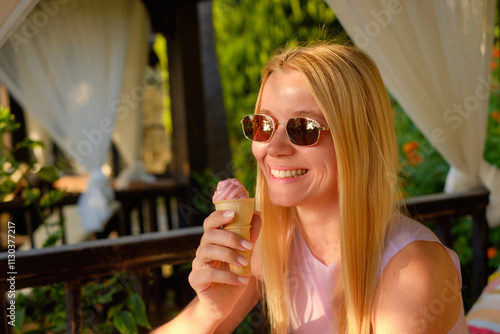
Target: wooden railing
point(141, 197)
point(73, 264)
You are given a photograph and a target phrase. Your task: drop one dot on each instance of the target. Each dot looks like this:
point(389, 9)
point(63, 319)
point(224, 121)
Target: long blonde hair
point(348, 88)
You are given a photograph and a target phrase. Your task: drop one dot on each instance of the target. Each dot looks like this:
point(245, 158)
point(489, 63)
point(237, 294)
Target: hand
point(217, 288)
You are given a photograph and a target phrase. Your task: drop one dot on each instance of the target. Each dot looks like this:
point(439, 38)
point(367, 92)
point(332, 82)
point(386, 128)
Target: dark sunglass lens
point(302, 131)
point(258, 127)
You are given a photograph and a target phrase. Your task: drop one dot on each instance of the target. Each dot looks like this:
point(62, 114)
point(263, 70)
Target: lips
point(289, 173)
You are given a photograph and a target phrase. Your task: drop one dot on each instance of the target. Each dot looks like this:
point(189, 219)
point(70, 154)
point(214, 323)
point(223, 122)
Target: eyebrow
point(298, 113)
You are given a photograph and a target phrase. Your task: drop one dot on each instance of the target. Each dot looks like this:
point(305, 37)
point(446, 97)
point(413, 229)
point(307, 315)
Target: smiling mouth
point(283, 174)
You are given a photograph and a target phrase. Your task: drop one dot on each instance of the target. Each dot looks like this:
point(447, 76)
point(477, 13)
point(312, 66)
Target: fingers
point(226, 239)
point(217, 219)
point(213, 234)
point(209, 253)
point(201, 280)
point(218, 248)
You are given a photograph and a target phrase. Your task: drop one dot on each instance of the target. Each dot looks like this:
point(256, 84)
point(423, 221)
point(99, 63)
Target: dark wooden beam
point(200, 137)
point(219, 158)
point(441, 205)
point(22, 154)
point(189, 144)
point(37, 267)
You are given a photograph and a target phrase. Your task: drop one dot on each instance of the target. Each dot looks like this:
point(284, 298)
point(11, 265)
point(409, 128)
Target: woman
point(333, 255)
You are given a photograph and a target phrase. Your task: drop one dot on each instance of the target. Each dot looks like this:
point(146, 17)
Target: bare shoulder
point(418, 291)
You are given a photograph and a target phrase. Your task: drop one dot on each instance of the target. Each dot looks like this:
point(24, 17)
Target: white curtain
point(12, 14)
point(128, 124)
point(435, 56)
point(68, 72)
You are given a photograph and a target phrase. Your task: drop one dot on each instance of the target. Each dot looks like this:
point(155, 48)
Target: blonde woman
point(333, 255)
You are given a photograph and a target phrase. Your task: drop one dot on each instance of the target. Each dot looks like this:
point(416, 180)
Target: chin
point(283, 200)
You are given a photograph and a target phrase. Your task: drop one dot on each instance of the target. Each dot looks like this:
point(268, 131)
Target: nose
point(279, 143)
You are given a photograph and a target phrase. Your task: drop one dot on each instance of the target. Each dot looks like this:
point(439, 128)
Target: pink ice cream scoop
point(229, 189)
point(232, 195)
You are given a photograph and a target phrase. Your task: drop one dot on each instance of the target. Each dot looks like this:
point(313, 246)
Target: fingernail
point(246, 244)
point(243, 279)
point(228, 214)
point(242, 260)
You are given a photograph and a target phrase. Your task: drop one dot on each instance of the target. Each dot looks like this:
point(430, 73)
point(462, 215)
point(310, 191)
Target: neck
point(321, 229)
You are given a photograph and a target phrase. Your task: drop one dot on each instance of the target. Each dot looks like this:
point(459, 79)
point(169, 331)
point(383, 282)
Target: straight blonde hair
point(349, 90)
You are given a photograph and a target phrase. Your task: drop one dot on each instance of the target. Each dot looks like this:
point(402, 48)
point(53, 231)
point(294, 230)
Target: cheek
point(258, 151)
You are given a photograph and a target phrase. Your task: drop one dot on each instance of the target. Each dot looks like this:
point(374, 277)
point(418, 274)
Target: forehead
point(286, 94)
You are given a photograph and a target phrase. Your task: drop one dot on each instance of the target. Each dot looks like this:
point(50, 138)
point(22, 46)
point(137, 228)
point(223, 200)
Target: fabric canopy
point(68, 74)
point(434, 56)
point(12, 15)
point(127, 135)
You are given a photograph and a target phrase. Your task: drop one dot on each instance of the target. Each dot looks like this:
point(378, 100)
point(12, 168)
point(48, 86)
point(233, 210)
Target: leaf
point(7, 187)
point(125, 323)
point(7, 121)
point(53, 238)
point(51, 198)
point(20, 316)
point(113, 310)
point(138, 308)
point(30, 195)
point(48, 173)
point(29, 144)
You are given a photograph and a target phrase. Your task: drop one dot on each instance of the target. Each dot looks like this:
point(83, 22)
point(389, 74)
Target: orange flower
point(496, 115)
point(494, 65)
point(496, 52)
point(410, 147)
point(492, 252)
point(414, 158)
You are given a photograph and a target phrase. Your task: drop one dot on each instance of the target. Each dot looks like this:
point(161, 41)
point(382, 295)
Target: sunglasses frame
point(276, 124)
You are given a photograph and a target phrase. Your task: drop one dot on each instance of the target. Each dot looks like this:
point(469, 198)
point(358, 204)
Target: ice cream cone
point(243, 211)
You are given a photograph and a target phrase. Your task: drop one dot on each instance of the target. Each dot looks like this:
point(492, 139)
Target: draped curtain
point(65, 64)
point(127, 135)
point(435, 56)
point(12, 15)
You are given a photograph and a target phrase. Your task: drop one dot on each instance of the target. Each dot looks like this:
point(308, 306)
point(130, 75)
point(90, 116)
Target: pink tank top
point(311, 285)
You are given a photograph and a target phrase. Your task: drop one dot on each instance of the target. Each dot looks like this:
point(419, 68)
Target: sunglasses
point(300, 131)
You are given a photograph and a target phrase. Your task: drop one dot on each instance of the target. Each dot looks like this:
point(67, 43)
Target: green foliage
point(160, 48)
point(7, 186)
point(49, 174)
point(125, 323)
point(125, 308)
point(51, 198)
point(138, 308)
point(205, 185)
point(15, 177)
point(422, 169)
point(29, 306)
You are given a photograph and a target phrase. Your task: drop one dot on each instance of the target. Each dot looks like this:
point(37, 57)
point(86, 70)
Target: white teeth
point(287, 173)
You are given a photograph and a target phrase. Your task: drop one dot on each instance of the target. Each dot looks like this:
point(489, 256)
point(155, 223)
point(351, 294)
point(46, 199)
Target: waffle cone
point(243, 211)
